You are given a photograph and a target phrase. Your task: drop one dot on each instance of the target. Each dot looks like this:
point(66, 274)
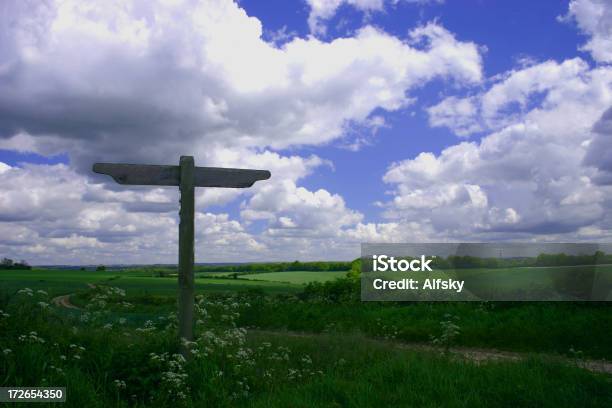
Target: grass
point(531, 327)
point(296, 277)
point(133, 363)
point(540, 327)
point(404, 378)
point(138, 282)
point(338, 366)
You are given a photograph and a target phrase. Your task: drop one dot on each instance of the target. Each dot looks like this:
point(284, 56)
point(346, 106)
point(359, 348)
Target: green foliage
point(160, 273)
point(337, 291)
point(7, 263)
point(105, 359)
point(520, 326)
point(449, 330)
point(363, 374)
point(355, 271)
point(100, 268)
point(573, 260)
point(121, 350)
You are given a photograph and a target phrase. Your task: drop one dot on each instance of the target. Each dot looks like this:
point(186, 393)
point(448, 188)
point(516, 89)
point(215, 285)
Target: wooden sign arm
point(157, 175)
point(229, 178)
point(140, 174)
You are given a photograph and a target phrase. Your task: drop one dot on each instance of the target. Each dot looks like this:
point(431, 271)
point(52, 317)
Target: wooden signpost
point(187, 177)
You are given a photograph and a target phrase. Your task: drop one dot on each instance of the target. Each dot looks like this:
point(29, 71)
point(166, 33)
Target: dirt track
point(64, 301)
point(475, 355)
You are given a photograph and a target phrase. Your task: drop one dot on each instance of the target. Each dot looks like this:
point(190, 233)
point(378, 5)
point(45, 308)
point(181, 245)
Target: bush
point(336, 291)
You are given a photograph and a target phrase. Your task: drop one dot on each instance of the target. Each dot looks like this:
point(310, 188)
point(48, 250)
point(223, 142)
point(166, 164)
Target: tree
point(7, 262)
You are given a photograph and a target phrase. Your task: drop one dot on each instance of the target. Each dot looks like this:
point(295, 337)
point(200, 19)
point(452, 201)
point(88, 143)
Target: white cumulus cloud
point(541, 171)
point(594, 18)
point(508, 99)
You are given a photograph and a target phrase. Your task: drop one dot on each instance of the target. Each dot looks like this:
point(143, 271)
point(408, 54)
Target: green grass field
point(137, 282)
point(305, 345)
point(295, 277)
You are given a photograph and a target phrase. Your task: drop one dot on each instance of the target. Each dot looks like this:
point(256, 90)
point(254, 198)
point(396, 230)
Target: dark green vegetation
point(120, 349)
point(405, 378)
point(526, 327)
point(7, 263)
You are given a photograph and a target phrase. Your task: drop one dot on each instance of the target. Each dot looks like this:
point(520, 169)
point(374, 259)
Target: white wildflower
point(26, 291)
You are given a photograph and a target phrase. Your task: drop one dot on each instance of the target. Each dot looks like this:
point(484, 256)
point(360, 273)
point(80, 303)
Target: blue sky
point(509, 30)
point(381, 121)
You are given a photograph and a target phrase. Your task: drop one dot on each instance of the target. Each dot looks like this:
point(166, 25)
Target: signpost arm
point(186, 257)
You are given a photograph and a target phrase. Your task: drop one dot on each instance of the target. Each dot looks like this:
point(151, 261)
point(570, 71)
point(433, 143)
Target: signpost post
point(186, 176)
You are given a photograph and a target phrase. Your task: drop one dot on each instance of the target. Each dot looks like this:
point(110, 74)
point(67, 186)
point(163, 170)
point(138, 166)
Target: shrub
point(336, 291)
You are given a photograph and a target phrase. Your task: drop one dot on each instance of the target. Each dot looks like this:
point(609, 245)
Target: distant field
point(58, 282)
point(295, 277)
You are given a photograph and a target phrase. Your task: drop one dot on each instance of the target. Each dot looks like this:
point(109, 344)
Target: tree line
point(560, 259)
point(277, 267)
point(8, 263)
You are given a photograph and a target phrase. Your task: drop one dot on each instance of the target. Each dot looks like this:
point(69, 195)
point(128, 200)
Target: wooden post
point(187, 177)
point(186, 257)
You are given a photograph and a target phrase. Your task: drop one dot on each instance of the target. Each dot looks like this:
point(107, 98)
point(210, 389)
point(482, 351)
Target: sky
point(380, 120)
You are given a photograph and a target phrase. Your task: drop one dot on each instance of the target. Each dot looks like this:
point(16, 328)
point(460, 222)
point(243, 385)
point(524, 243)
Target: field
point(268, 339)
point(295, 277)
point(137, 282)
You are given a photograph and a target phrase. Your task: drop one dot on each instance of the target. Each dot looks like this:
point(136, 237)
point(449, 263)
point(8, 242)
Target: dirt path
point(64, 301)
point(475, 355)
